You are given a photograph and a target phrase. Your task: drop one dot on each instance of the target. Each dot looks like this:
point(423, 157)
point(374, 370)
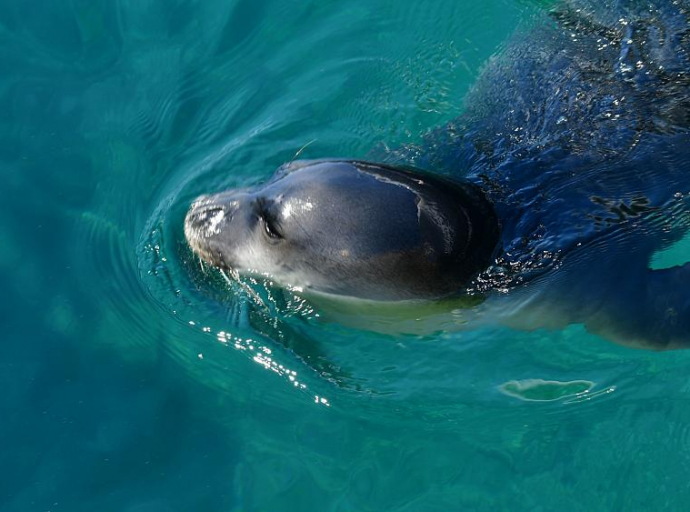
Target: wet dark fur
point(579, 134)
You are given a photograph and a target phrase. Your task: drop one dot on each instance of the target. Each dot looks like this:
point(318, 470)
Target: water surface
point(136, 381)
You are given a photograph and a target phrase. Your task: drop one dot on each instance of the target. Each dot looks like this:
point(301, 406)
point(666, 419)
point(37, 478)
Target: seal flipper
point(652, 311)
point(609, 287)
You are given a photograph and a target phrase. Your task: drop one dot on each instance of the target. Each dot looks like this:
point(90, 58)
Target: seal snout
point(200, 215)
point(203, 222)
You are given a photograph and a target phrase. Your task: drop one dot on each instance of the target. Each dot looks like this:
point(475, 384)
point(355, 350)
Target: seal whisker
point(302, 149)
point(236, 278)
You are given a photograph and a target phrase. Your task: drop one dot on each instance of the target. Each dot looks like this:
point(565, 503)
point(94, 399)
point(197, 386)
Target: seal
point(550, 195)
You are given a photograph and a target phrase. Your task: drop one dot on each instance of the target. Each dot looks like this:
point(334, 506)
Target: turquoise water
point(135, 381)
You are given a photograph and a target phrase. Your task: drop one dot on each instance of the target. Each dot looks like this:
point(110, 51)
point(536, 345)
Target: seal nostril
point(210, 210)
point(204, 220)
point(201, 208)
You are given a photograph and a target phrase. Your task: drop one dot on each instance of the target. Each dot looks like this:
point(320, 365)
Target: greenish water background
point(127, 385)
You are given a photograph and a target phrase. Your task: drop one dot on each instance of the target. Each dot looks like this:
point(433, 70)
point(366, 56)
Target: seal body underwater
point(549, 195)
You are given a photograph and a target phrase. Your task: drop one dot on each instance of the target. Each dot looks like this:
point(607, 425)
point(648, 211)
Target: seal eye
point(268, 220)
point(270, 227)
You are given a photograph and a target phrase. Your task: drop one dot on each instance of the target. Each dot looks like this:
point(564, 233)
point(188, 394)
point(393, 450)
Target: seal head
point(350, 228)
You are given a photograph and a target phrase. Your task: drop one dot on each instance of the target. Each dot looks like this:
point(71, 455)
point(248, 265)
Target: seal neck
point(484, 236)
point(477, 227)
